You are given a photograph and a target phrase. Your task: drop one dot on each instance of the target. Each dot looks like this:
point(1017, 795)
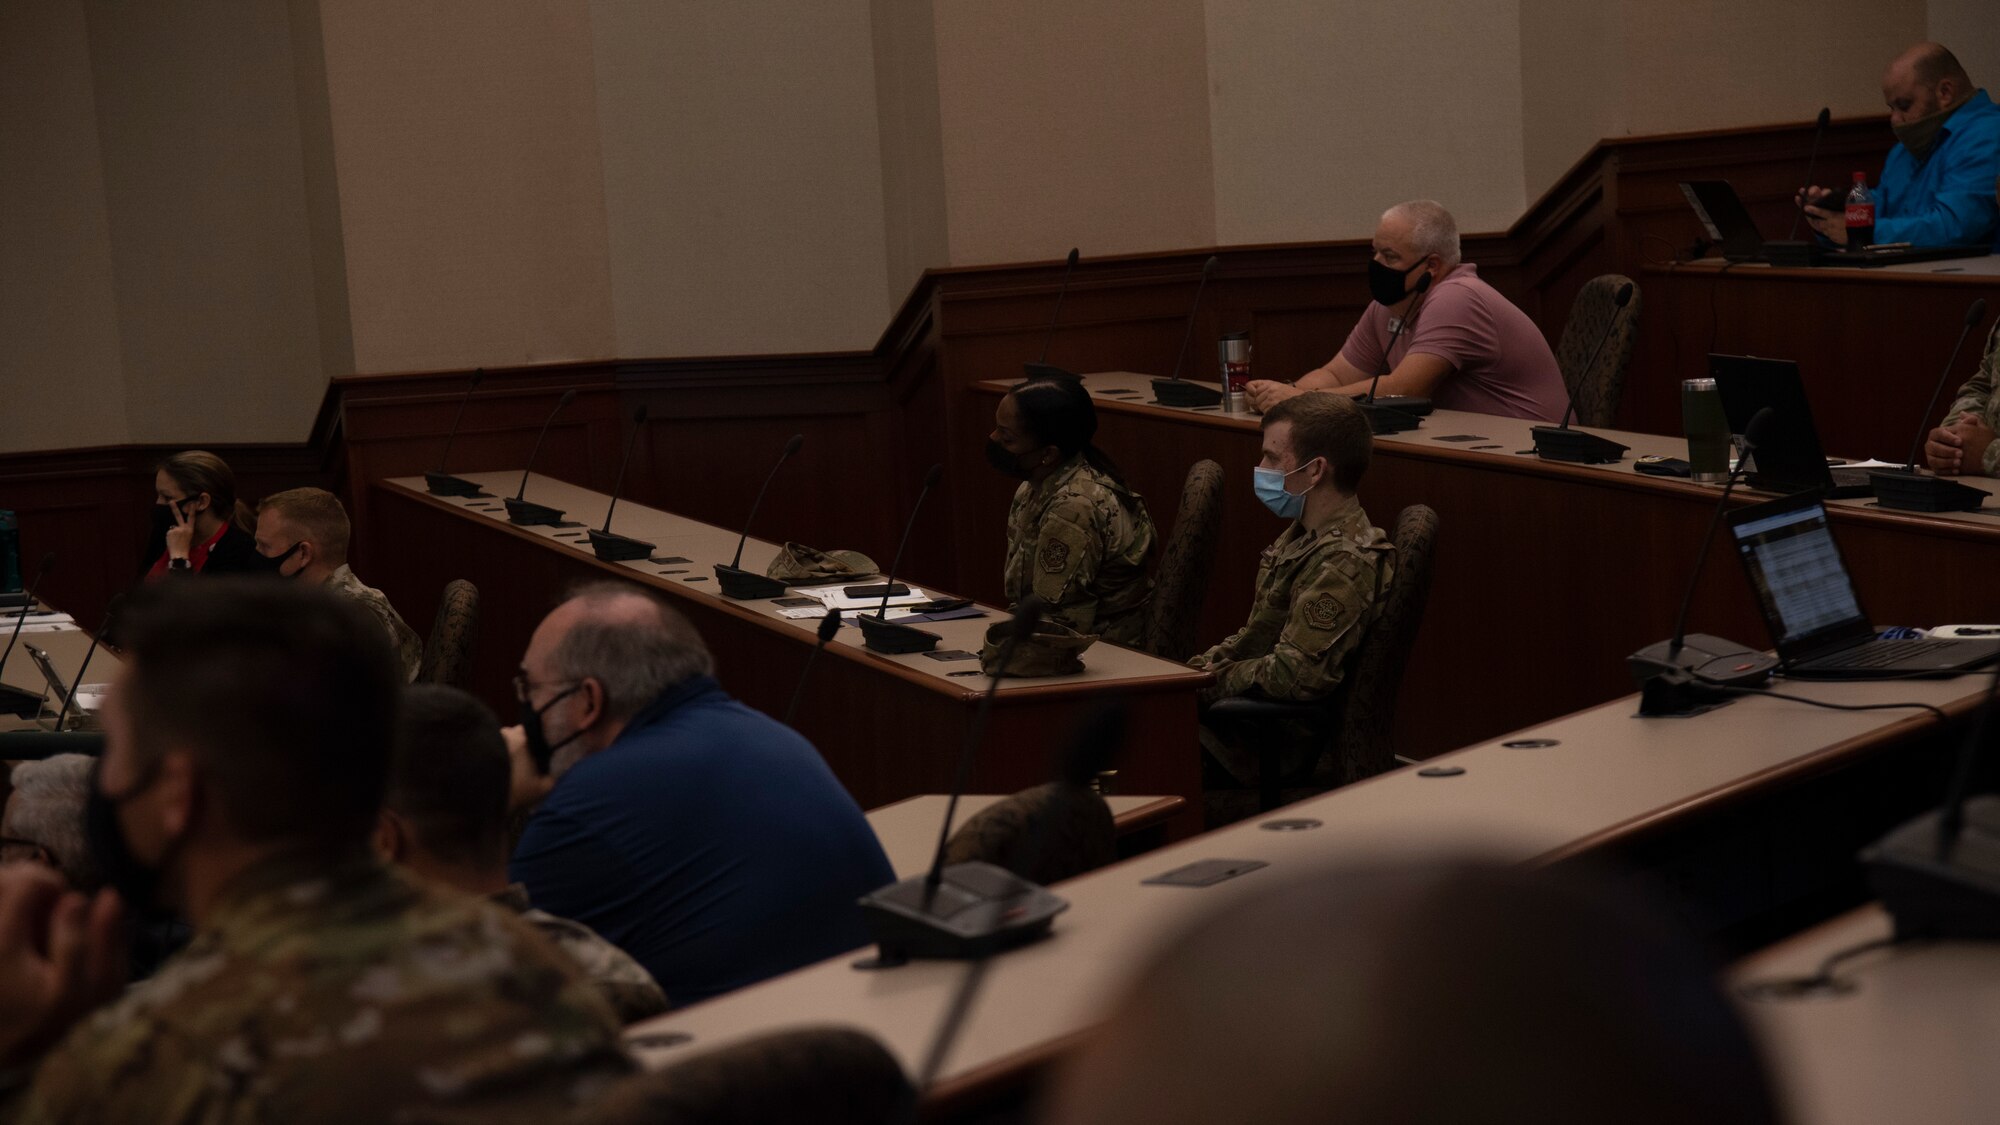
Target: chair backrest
point(1047, 834)
point(1364, 745)
point(1598, 390)
point(455, 632)
point(829, 1075)
point(1180, 583)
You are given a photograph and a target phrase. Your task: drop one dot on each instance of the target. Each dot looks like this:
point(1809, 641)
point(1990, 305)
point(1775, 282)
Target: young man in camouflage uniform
point(303, 532)
point(247, 746)
point(445, 820)
point(1077, 537)
point(1964, 444)
point(1319, 585)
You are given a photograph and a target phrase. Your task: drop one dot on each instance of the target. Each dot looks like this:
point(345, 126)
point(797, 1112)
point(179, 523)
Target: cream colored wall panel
point(204, 187)
point(471, 188)
point(59, 358)
point(1971, 28)
point(743, 175)
point(1572, 84)
point(1325, 114)
point(906, 101)
point(1074, 124)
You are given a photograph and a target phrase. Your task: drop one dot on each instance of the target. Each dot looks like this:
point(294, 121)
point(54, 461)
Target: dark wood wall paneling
point(873, 421)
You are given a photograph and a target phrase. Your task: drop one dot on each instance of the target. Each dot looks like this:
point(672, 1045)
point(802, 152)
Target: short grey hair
point(1432, 229)
point(48, 808)
point(634, 659)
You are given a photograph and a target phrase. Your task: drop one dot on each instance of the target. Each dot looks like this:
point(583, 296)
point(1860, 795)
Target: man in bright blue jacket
point(704, 838)
point(1938, 185)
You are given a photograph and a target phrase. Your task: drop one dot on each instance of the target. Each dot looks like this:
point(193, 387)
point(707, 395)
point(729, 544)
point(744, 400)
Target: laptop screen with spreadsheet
point(1796, 572)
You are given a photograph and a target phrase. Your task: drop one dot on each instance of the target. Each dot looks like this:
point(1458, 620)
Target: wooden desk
point(1913, 1040)
point(1869, 343)
point(1610, 784)
point(908, 828)
point(890, 726)
point(1546, 575)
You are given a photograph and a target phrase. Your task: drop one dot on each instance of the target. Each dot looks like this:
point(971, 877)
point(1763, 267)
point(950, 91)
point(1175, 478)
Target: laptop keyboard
point(1876, 654)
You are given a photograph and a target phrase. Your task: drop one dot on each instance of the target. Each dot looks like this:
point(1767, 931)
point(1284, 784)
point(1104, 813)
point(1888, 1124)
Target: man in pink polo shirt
point(1466, 347)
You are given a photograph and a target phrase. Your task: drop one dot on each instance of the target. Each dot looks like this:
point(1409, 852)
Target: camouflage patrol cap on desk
point(1052, 650)
point(800, 565)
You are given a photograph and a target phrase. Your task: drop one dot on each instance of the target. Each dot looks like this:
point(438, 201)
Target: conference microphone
point(1911, 489)
point(829, 627)
point(621, 548)
point(744, 585)
point(1397, 413)
point(69, 697)
point(1686, 675)
point(1171, 391)
point(1560, 443)
point(14, 701)
point(967, 910)
point(1090, 752)
point(520, 510)
point(1791, 251)
point(1041, 368)
point(877, 632)
point(437, 480)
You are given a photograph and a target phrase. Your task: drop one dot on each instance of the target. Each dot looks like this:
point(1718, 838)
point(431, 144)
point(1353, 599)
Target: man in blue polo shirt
point(702, 837)
point(1937, 187)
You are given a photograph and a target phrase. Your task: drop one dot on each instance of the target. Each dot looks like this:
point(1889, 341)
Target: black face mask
point(137, 884)
point(1006, 461)
point(538, 741)
point(1387, 284)
point(275, 564)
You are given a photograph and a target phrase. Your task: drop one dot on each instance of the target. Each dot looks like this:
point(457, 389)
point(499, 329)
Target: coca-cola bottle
point(1860, 213)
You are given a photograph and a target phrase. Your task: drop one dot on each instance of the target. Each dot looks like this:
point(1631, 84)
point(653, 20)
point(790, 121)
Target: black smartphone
point(1663, 466)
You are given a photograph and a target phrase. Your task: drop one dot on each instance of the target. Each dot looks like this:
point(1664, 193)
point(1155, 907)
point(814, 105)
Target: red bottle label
point(1861, 214)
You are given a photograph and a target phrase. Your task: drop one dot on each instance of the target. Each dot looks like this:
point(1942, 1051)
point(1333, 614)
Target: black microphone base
point(877, 590)
point(1416, 406)
point(1048, 371)
point(1667, 678)
point(14, 600)
point(894, 639)
point(529, 514)
point(1792, 254)
point(1178, 392)
point(18, 703)
point(1909, 491)
point(1388, 420)
point(1554, 443)
point(1954, 897)
point(746, 586)
point(618, 548)
point(976, 910)
point(444, 484)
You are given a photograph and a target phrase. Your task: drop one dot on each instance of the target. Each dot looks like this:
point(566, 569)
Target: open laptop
point(1789, 457)
point(1808, 602)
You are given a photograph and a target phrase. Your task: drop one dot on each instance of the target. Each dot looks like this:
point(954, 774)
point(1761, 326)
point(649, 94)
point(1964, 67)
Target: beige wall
point(59, 354)
point(1326, 114)
point(742, 175)
point(212, 206)
point(1073, 124)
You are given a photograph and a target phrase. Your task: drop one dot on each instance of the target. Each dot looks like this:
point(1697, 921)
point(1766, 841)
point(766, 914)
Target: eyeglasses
point(523, 685)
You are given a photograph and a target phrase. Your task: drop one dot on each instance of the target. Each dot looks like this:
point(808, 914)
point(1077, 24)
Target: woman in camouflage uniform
point(1077, 536)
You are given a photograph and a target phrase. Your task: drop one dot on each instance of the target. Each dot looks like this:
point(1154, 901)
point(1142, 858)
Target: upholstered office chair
point(1598, 390)
point(1353, 727)
point(448, 651)
point(1180, 583)
point(1049, 833)
point(828, 1075)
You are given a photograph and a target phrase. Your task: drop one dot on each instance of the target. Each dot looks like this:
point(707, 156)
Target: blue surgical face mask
point(1270, 486)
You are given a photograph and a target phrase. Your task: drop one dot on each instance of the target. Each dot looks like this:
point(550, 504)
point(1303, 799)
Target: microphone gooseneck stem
point(617, 485)
point(1026, 616)
point(69, 697)
point(1973, 315)
point(565, 400)
point(27, 606)
point(1187, 338)
point(1395, 334)
point(1056, 319)
point(889, 584)
point(1624, 298)
point(758, 503)
point(478, 373)
point(1751, 431)
point(1812, 160)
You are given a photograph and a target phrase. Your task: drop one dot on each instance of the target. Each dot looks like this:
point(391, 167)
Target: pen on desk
point(1948, 269)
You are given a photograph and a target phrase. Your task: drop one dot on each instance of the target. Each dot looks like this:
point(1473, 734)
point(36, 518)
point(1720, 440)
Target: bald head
point(625, 638)
point(1924, 80)
point(1417, 229)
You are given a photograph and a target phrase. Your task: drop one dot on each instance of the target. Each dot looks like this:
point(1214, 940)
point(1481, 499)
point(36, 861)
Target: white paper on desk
point(1868, 464)
point(808, 613)
point(52, 627)
point(835, 597)
point(43, 617)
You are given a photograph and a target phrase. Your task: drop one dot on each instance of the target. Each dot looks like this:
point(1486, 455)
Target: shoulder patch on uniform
point(1055, 556)
point(1323, 612)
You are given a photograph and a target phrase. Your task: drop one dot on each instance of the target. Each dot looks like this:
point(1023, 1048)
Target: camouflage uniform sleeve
point(1068, 551)
point(403, 639)
point(1323, 626)
point(1976, 398)
point(631, 991)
